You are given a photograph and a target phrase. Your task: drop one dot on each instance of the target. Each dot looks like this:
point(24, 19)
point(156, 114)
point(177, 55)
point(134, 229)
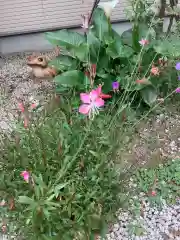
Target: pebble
point(158, 226)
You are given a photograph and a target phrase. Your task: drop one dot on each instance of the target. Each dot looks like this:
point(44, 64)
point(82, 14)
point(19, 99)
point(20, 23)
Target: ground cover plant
point(160, 183)
point(58, 178)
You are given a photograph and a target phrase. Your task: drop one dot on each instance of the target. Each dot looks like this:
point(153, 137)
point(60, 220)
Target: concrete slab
point(37, 41)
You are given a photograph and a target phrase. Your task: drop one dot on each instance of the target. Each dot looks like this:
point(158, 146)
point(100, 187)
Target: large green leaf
point(127, 37)
point(65, 38)
point(81, 52)
point(132, 36)
point(94, 46)
point(103, 62)
point(146, 32)
point(70, 78)
point(101, 25)
point(168, 47)
point(64, 63)
point(149, 95)
point(107, 80)
point(118, 50)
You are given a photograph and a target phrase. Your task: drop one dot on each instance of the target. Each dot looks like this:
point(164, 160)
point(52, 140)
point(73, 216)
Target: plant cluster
point(136, 65)
point(57, 178)
point(160, 183)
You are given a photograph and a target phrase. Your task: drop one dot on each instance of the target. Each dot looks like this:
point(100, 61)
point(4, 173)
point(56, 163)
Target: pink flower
point(143, 42)
point(26, 176)
point(21, 107)
point(33, 105)
point(155, 70)
point(91, 102)
point(153, 193)
point(102, 95)
point(143, 81)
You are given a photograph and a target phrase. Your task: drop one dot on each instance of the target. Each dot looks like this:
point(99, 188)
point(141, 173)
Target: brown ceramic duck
point(39, 66)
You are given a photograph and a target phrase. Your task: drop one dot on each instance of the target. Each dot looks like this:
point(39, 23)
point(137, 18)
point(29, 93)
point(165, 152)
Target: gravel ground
point(16, 86)
point(155, 140)
point(155, 224)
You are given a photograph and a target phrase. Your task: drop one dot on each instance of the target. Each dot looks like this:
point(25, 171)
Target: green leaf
point(149, 94)
point(94, 46)
point(64, 63)
point(26, 200)
point(127, 37)
point(58, 188)
point(65, 38)
point(103, 62)
point(132, 36)
point(139, 231)
point(135, 38)
point(70, 78)
point(146, 32)
point(81, 52)
point(168, 47)
point(107, 80)
point(95, 154)
point(100, 24)
point(116, 50)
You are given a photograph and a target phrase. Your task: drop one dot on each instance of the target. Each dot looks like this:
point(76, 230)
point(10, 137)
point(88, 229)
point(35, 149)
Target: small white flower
point(108, 7)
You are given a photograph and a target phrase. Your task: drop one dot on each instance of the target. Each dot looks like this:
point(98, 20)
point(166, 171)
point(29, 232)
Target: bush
point(71, 187)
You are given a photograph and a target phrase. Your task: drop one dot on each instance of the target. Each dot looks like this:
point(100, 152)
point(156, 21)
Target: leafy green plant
point(102, 56)
point(57, 178)
point(161, 182)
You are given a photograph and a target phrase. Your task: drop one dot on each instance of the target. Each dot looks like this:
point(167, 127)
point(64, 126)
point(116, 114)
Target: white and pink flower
point(143, 42)
point(92, 102)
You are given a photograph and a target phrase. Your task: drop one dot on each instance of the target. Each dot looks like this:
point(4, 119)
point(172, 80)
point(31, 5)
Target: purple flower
point(115, 85)
point(177, 90)
point(179, 78)
point(178, 66)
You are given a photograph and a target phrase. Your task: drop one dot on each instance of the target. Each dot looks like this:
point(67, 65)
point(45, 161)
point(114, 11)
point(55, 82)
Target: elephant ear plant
point(100, 56)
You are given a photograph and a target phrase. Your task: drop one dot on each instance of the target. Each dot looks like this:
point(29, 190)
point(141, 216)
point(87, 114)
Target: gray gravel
point(16, 85)
point(155, 224)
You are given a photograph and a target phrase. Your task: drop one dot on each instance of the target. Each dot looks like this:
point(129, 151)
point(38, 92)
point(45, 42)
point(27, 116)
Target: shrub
point(58, 180)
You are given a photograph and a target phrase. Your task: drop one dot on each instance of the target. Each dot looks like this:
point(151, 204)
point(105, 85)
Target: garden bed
point(67, 174)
